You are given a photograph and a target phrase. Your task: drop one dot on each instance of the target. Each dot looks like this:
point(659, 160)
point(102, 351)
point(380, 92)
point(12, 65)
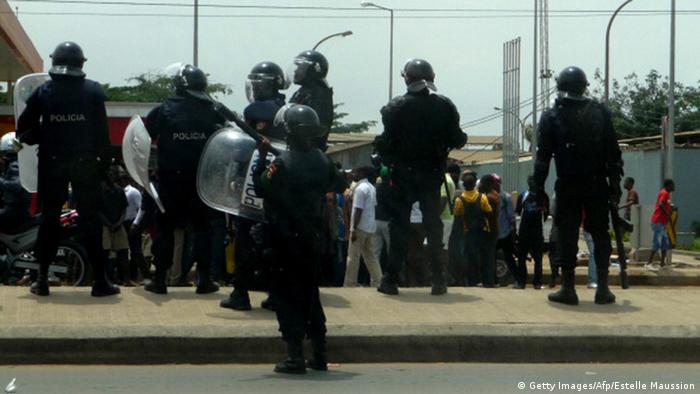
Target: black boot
point(603, 295)
point(239, 300)
point(157, 284)
point(269, 303)
point(319, 362)
point(294, 364)
point(206, 286)
point(104, 288)
point(41, 286)
point(438, 289)
point(567, 293)
point(387, 287)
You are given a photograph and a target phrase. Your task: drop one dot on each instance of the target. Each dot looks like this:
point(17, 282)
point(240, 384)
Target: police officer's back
point(310, 71)
point(293, 187)
point(420, 128)
point(579, 134)
point(66, 116)
point(182, 125)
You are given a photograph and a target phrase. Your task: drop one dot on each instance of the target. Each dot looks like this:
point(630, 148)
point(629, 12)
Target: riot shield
point(27, 157)
point(225, 174)
point(136, 149)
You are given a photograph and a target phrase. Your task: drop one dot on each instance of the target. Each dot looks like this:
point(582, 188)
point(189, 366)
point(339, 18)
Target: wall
point(645, 168)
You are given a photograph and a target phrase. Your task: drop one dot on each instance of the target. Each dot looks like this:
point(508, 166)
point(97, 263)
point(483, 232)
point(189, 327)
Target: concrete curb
point(512, 343)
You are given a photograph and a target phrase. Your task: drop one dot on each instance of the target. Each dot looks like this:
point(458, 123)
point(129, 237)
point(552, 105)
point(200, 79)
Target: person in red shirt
point(662, 214)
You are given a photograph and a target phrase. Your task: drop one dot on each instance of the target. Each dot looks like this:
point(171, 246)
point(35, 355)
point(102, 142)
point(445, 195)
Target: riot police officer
point(263, 86)
point(182, 125)
point(16, 201)
point(310, 71)
point(420, 128)
point(264, 82)
point(292, 187)
point(579, 133)
point(66, 116)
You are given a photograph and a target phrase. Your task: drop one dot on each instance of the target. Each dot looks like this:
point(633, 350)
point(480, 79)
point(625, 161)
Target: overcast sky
point(465, 48)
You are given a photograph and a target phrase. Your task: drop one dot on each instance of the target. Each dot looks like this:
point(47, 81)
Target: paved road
point(351, 378)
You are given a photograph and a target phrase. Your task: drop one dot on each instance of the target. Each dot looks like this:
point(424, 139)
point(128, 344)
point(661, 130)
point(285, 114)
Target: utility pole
point(195, 57)
point(535, 75)
point(670, 138)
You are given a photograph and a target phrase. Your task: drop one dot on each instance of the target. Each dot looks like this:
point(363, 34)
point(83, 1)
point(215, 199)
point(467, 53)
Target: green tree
point(639, 106)
point(152, 88)
point(340, 127)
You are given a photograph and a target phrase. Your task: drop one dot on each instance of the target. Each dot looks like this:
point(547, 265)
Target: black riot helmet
point(309, 66)
point(301, 124)
point(572, 83)
point(264, 81)
point(67, 59)
point(418, 75)
point(191, 80)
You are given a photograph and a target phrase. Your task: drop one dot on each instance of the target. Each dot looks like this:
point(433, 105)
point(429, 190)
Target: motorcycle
point(70, 267)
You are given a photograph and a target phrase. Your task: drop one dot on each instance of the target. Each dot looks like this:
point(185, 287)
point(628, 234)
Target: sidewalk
point(685, 270)
point(468, 324)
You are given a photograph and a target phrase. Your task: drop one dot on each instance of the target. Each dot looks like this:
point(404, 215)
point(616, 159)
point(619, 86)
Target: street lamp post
point(195, 54)
point(391, 41)
point(607, 50)
point(342, 34)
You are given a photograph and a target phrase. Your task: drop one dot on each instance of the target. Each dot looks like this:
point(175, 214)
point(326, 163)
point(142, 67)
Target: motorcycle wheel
point(73, 256)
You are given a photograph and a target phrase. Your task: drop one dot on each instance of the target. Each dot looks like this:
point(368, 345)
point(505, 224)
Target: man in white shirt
point(363, 226)
point(133, 198)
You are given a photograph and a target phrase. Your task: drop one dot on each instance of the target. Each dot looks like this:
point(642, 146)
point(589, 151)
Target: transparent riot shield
point(136, 150)
point(225, 174)
point(28, 156)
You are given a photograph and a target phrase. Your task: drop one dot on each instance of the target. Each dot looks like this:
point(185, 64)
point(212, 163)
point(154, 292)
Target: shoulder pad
point(447, 100)
point(394, 104)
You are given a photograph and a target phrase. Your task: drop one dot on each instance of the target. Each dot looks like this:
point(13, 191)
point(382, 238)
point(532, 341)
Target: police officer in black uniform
point(310, 71)
point(292, 188)
point(579, 134)
point(16, 201)
point(67, 118)
point(264, 82)
point(420, 128)
point(182, 125)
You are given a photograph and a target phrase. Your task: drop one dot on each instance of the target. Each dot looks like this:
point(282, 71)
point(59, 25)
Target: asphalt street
point(358, 378)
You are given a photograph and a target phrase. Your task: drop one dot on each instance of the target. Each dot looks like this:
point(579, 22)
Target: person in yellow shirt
point(470, 217)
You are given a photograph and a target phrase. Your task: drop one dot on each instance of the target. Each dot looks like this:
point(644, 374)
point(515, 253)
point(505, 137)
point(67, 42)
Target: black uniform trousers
point(530, 240)
point(505, 244)
point(83, 174)
point(183, 209)
point(295, 266)
point(409, 185)
point(589, 194)
point(245, 254)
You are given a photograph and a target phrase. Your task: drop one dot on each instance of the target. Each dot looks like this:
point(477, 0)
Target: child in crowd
point(470, 218)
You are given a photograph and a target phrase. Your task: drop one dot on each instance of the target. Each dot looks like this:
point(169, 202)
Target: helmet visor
point(564, 95)
point(279, 117)
point(299, 69)
point(260, 87)
point(66, 70)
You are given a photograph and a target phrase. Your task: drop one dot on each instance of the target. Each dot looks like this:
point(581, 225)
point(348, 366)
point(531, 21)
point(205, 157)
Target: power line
point(335, 8)
point(280, 16)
